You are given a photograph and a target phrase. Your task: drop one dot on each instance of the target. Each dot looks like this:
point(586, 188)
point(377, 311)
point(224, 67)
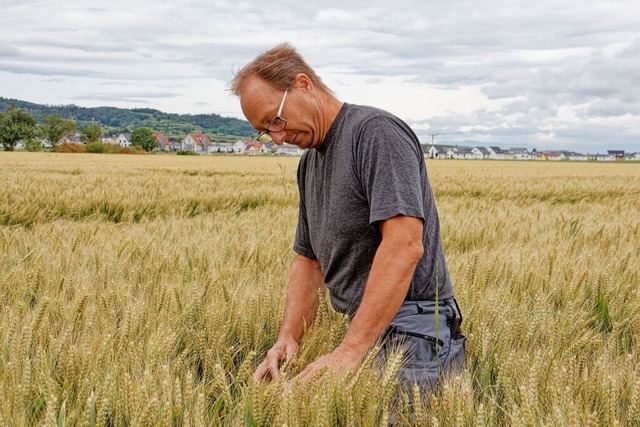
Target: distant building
point(497, 153)
point(241, 144)
point(576, 157)
point(175, 144)
point(617, 155)
point(163, 142)
point(436, 152)
point(124, 140)
point(463, 153)
point(288, 150)
point(221, 147)
point(556, 155)
point(256, 148)
point(521, 153)
point(72, 139)
point(196, 142)
point(481, 152)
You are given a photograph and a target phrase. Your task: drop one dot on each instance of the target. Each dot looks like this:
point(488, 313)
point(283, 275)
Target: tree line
point(121, 120)
point(18, 125)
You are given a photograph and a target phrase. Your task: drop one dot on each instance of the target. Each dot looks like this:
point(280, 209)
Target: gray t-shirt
point(369, 168)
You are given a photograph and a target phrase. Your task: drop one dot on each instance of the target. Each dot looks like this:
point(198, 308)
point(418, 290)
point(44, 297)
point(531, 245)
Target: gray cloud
point(43, 70)
point(9, 52)
point(550, 72)
point(124, 96)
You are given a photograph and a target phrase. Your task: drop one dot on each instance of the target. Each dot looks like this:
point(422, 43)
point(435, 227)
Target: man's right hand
point(281, 351)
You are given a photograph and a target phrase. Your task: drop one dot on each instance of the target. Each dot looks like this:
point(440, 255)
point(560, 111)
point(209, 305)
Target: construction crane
point(433, 136)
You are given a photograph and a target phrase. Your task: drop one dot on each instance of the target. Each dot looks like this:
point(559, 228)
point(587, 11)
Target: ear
point(303, 82)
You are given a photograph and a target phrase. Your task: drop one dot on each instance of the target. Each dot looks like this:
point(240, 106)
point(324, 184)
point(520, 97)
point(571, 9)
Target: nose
point(278, 137)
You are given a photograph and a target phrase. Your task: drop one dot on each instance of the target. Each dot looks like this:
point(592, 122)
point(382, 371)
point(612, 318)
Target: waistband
point(409, 308)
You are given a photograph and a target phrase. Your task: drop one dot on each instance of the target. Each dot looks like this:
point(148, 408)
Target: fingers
point(304, 376)
point(260, 372)
point(273, 366)
point(269, 368)
point(313, 370)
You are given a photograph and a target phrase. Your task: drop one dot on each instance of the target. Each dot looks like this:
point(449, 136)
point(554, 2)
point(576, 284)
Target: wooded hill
point(115, 120)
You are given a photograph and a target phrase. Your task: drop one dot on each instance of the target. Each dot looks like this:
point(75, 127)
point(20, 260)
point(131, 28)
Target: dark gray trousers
point(433, 344)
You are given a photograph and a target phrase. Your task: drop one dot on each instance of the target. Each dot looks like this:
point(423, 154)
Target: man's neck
point(330, 107)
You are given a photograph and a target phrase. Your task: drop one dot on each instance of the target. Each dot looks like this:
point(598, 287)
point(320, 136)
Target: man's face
point(260, 102)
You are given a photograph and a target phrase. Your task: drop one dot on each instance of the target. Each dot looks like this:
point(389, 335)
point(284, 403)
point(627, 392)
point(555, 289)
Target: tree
point(144, 138)
point(33, 145)
point(16, 125)
point(55, 128)
point(91, 133)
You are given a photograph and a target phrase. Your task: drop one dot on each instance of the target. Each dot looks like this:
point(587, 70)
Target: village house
point(617, 155)
point(462, 153)
point(556, 156)
point(45, 143)
point(496, 153)
point(72, 139)
point(521, 153)
point(436, 152)
point(576, 157)
point(481, 152)
point(124, 140)
point(611, 156)
point(288, 150)
point(197, 142)
point(163, 142)
point(600, 157)
point(221, 147)
point(240, 145)
point(255, 149)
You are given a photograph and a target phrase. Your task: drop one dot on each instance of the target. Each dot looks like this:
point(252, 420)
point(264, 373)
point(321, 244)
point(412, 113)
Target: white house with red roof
point(556, 156)
point(163, 142)
point(240, 145)
point(256, 149)
point(197, 142)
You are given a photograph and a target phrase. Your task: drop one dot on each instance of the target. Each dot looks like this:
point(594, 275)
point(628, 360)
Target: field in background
point(143, 290)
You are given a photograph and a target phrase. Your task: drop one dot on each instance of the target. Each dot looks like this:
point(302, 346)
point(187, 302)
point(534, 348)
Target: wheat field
point(144, 290)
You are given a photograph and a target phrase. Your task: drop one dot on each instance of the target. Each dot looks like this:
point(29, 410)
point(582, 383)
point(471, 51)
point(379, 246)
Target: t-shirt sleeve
point(302, 242)
point(390, 162)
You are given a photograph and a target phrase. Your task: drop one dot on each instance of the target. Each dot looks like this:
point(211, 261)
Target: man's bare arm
point(305, 280)
point(387, 285)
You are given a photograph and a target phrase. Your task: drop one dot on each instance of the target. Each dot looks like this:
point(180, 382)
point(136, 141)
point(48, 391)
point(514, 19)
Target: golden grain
point(143, 290)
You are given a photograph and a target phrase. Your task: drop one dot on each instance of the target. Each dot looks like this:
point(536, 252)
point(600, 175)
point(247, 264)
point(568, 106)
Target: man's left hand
point(338, 363)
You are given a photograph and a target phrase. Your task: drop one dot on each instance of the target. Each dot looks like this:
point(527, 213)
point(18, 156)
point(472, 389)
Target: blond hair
point(278, 66)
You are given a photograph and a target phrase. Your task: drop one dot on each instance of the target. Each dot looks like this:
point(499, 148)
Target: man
point(368, 228)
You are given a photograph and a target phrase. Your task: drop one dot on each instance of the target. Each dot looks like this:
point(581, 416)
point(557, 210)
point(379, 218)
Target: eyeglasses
point(277, 124)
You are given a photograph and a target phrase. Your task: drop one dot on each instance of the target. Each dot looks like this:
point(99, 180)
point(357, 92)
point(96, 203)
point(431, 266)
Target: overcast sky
point(546, 74)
